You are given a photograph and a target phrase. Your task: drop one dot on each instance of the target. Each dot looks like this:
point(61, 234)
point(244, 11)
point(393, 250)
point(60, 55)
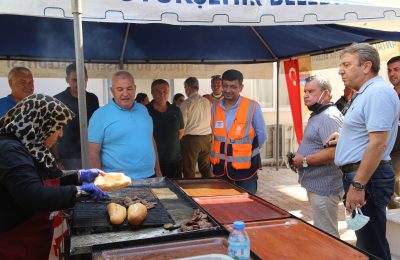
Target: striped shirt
point(326, 179)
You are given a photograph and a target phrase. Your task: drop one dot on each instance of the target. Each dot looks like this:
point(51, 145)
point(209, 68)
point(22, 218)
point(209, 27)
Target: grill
point(92, 217)
point(91, 230)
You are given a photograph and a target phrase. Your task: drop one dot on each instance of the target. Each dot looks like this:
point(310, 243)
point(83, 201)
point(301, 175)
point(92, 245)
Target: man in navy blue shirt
point(20, 80)
point(167, 129)
point(68, 148)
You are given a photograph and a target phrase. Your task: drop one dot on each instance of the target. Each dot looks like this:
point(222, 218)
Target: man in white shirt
point(196, 142)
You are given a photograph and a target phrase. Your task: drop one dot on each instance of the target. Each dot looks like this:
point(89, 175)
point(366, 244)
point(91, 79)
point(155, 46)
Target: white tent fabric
point(213, 12)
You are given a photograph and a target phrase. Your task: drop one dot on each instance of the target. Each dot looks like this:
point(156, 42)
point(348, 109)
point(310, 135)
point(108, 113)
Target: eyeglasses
point(348, 105)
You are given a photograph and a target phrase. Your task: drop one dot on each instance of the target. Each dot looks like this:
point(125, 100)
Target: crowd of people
point(350, 149)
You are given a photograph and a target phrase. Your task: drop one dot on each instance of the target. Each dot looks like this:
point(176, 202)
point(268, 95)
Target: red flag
point(293, 85)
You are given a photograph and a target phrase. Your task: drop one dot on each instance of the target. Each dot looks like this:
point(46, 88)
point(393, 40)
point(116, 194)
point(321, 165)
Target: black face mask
point(314, 107)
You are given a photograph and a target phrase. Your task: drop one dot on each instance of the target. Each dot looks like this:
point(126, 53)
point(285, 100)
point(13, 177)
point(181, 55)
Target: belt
point(354, 166)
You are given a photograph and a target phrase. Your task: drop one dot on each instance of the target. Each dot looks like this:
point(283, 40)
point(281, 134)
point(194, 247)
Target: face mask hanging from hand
point(316, 105)
point(358, 221)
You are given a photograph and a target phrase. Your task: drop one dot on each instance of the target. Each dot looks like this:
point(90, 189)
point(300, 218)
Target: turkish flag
point(293, 84)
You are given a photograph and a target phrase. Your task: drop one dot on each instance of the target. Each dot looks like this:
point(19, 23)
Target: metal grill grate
point(92, 217)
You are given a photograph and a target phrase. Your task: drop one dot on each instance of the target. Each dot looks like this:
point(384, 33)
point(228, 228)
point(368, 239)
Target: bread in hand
point(112, 181)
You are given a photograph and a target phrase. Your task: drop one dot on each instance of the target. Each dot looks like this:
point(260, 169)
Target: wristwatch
point(357, 186)
point(305, 164)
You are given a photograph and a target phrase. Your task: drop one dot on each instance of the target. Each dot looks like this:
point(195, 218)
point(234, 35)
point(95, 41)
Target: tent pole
point(276, 132)
point(78, 40)
point(121, 58)
point(263, 42)
point(276, 135)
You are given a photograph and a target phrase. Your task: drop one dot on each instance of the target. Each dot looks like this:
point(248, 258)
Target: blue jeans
point(379, 189)
point(249, 185)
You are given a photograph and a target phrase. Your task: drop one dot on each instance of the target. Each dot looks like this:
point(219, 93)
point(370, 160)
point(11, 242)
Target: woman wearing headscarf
point(27, 167)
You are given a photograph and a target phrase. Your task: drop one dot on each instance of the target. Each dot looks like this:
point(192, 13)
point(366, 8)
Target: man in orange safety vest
point(238, 131)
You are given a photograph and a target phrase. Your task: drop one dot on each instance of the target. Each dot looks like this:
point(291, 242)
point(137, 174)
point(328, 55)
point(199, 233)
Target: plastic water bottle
point(238, 242)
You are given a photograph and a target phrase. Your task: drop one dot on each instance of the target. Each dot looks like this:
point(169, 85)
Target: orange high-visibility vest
point(234, 149)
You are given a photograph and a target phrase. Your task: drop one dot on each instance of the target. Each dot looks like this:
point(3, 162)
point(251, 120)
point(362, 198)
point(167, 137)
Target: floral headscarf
point(33, 120)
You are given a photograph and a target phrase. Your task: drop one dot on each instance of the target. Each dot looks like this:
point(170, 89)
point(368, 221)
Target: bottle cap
point(238, 225)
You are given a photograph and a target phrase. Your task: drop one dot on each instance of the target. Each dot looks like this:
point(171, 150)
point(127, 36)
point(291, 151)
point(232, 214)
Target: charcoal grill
point(91, 217)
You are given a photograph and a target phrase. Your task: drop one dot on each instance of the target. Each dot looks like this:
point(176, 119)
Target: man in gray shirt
point(317, 173)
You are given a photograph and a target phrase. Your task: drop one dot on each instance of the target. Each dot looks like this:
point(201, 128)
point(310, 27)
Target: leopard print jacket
point(33, 120)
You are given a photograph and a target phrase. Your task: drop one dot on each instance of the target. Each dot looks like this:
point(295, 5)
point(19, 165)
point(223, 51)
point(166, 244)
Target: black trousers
point(172, 170)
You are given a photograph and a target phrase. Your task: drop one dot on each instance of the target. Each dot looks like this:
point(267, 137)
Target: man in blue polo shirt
point(21, 83)
point(366, 140)
point(121, 133)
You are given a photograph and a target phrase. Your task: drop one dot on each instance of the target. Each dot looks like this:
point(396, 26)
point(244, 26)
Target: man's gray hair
point(18, 69)
point(122, 74)
point(366, 52)
point(322, 82)
point(192, 82)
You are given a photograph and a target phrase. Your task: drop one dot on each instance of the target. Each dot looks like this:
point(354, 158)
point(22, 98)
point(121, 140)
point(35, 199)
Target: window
point(263, 92)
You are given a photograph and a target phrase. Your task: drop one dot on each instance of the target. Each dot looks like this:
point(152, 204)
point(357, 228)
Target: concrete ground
point(282, 189)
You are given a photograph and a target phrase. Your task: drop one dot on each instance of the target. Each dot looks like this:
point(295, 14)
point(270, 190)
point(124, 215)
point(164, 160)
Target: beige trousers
point(325, 211)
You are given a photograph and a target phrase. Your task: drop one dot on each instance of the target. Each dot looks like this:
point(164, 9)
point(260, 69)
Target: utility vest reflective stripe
point(233, 150)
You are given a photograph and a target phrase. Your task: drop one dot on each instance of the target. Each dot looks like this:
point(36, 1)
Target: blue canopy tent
point(52, 39)
point(124, 42)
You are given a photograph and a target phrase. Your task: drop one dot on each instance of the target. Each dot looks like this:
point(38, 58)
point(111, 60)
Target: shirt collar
point(194, 94)
point(366, 84)
point(11, 98)
point(234, 106)
point(121, 108)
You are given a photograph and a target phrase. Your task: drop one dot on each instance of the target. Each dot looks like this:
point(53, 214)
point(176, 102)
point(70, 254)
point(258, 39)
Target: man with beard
point(317, 173)
point(238, 130)
point(393, 70)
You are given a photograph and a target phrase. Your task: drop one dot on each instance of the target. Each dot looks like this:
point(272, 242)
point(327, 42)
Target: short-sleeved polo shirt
point(6, 103)
point(126, 139)
point(375, 108)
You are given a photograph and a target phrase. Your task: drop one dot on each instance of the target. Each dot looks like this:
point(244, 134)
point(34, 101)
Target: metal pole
point(78, 39)
point(276, 135)
point(121, 58)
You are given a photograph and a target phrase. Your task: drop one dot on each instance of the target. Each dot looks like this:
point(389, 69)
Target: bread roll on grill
point(116, 212)
point(137, 213)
